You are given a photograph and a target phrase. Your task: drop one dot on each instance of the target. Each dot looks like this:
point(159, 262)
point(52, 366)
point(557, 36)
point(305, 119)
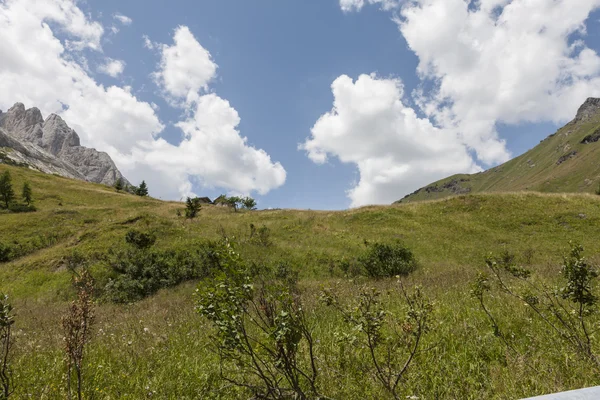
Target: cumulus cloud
point(212, 149)
point(112, 67)
point(186, 68)
point(44, 74)
point(501, 62)
point(395, 151)
point(123, 19)
point(490, 62)
point(48, 73)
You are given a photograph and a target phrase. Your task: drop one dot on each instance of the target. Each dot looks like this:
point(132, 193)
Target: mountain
point(50, 146)
point(566, 161)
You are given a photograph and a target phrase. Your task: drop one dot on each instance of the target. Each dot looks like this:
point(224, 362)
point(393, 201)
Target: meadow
point(161, 347)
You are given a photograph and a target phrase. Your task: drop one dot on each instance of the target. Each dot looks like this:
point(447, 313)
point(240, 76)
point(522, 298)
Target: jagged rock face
point(588, 109)
point(51, 146)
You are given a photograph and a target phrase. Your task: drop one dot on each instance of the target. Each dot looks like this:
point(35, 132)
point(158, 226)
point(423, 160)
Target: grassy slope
point(537, 169)
point(449, 237)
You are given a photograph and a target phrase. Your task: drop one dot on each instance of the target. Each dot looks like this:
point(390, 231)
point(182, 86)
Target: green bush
point(139, 239)
point(140, 272)
point(383, 260)
point(21, 208)
point(5, 252)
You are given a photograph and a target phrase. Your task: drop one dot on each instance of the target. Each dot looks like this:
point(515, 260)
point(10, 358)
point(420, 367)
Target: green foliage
point(392, 343)
point(192, 207)
point(383, 260)
point(248, 203)
point(7, 193)
point(142, 190)
point(27, 194)
point(598, 190)
point(5, 252)
point(7, 320)
point(119, 184)
point(140, 271)
point(263, 339)
point(569, 311)
point(141, 240)
point(21, 208)
point(260, 236)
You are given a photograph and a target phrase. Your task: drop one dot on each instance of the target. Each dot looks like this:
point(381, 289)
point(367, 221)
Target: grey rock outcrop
point(52, 146)
point(588, 109)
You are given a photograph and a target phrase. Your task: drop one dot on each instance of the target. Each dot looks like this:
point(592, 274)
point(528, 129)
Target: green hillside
point(160, 347)
point(568, 161)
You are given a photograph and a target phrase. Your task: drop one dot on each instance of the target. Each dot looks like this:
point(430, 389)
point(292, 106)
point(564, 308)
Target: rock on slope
point(566, 161)
point(51, 146)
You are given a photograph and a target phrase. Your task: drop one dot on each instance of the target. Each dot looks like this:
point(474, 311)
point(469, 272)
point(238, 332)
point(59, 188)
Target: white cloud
point(395, 151)
point(112, 67)
point(186, 68)
point(357, 5)
point(125, 20)
point(489, 62)
point(45, 73)
point(212, 150)
point(501, 62)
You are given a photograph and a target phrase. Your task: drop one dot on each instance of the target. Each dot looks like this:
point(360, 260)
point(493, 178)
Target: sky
point(319, 104)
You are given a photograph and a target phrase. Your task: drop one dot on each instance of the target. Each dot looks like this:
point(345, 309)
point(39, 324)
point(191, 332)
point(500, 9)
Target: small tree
point(142, 190)
point(7, 193)
point(249, 203)
point(262, 336)
point(391, 341)
point(6, 322)
point(192, 207)
point(77, 324)
point(233, 202)
point(568, 310)
point(27, 195)
point(119, 184)
point(598, 190)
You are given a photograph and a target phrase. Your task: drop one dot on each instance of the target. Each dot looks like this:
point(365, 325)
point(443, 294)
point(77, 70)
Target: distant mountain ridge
point(566, 161)
point(51, 146)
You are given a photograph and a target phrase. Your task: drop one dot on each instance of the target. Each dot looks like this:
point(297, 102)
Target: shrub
point(391, 342)
point(7, 320)
point(138, 273)
point(139, 239)
point(21, 208)
point(568, 310)
point(387, 260)
point(262, 337)
point(5, 252)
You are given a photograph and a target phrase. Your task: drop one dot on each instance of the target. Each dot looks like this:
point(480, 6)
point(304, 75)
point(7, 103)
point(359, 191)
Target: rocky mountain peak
point(54, 138)
point(17, 118)
point(588, 109)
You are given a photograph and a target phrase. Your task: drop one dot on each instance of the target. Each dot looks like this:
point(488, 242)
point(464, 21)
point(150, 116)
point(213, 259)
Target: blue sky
point(277, 61)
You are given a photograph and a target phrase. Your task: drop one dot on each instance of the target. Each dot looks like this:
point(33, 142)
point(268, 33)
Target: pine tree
point(143, 189)
point(119, 184)
point(7, 193)
point(27, 194)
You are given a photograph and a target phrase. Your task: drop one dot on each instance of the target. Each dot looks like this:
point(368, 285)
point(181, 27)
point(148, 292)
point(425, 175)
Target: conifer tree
point(27, 195)
point(142, 189)
point(7, 193)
